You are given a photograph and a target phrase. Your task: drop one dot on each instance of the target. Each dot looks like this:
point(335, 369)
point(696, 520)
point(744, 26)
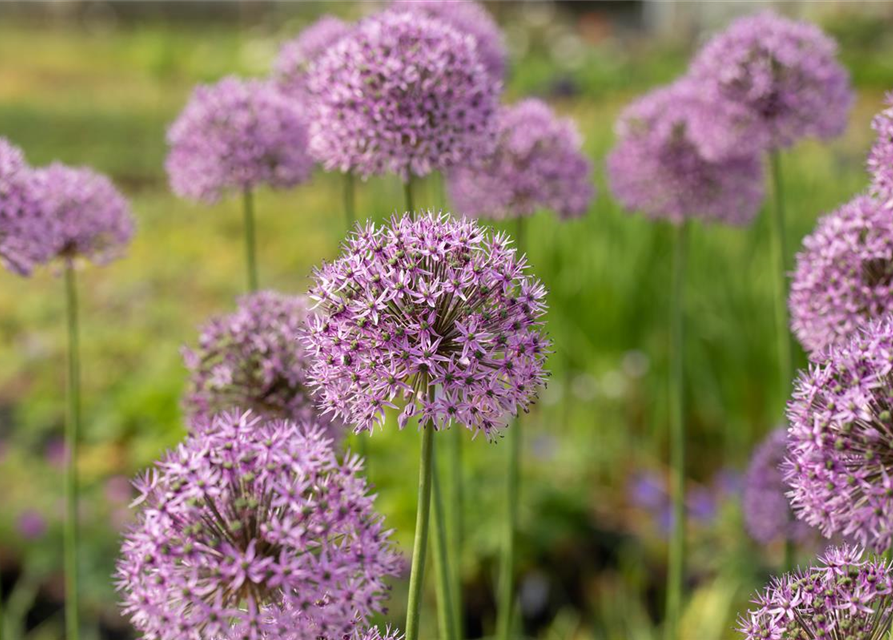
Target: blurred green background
point(97, 84)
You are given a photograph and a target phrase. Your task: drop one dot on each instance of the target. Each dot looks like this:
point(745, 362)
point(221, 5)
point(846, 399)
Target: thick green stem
point(250, 243)
point(350, 215)
point(420, 543)
point(505, 604)
point(407, 193)
point(676, 570)
point(455, 506)
point(783, 334)
point(445, 610)
point(72, 428)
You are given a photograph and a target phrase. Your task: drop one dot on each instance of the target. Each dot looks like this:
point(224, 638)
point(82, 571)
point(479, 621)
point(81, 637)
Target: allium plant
point(844, 275)
point(427, 303)
point(845, 597)
point(784, 72)
point(538, 163)
point(296, 55)
point(404, 94)
point(27, 235)
point(254, 529)
point(880, 160)
point(840, 441)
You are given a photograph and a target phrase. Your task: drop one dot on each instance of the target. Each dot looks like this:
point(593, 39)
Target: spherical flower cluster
point(430, 311)
point(840, 441)
point(91, 218)
point(405, 94)
point(237, 135)
point(845, 597)
point(784, 72)
point(296, 56)
point(880, 160)
point(468, 17)
point(537, 163)
point(27, 235)
point(767, 514)
point(678, 156)
point(253, 359)
point(844, 274)
point(253, 529)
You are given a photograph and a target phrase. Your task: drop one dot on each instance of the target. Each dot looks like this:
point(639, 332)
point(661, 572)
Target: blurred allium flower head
point(27, 235)
point(845, 597)
point(253, 529)
point(767, 514)
point(253, 359)
point(844, 274)
point(471, 18)
point(296, 55)
point(237, 135)
point(784, 72)
point(880, 160)
point(675, 158)
point(840, 440)
point(91, 217)
point(432, 312)
point(404, 94)
point(31, 525)
point(538, 163)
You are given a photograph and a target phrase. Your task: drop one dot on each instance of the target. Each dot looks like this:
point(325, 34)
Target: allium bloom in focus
point(845, 597)
point(27, 235)
point(404, 94)
point(880, 160)
point(784, 72)
point(538, 163)
point(237, 135)
point(844, 275)
point(296, 55)
point(467, 17)
point(91, 218)
point(430, 311)
point(675, 159)
point(252, 358)
point(253, 529)
point(840, 441)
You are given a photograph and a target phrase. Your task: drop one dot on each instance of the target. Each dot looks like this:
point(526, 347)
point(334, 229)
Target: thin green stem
point(407, 193)
point(445, 610)
point(250, 242)
point(783, 334)
point(506, 601)
point(350, 203)
point(420, 543)
point(455, 527)
point(72, 428)
point(676, 570)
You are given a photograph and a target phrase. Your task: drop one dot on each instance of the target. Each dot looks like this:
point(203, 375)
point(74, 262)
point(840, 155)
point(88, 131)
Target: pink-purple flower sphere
point(254, 529)
point(234, 136)
point(296, 55)
point(844, 275)
point(431, 312)
point(27, 235)
point(784, 72)
point(880, 160)
point(538, 163)
point(404, 94)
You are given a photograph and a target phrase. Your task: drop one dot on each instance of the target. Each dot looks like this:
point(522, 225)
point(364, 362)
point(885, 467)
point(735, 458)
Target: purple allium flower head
point(27, 235)
point(253, 359)
point(296, 55)
point(844, 274)
point(92, 219)
point(253, 529)
point(840, 439)
point(674, 159)
point(467, 17)
point(538, 163)
point(880, 160)
point(403, 94)
point(767, 514)
point(422, 304)
point(784, 72)
point(845, 597)
point(31, 524)
point(236, 135)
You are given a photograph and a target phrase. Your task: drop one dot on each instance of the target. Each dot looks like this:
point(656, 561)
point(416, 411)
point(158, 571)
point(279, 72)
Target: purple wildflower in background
point(880, 160)
point(253, 529)
point(784, 72)
point(252, 359)
point(538, 163)
point(424, 303)
point(31, 525)
point(840, 439)
point(405, 94)
point(845, 597)
point(27, 235)
point(91, 217)
point(674, 159)
point(296, 55)
point(844, 275)
point(467, 17)
point(234, 136)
